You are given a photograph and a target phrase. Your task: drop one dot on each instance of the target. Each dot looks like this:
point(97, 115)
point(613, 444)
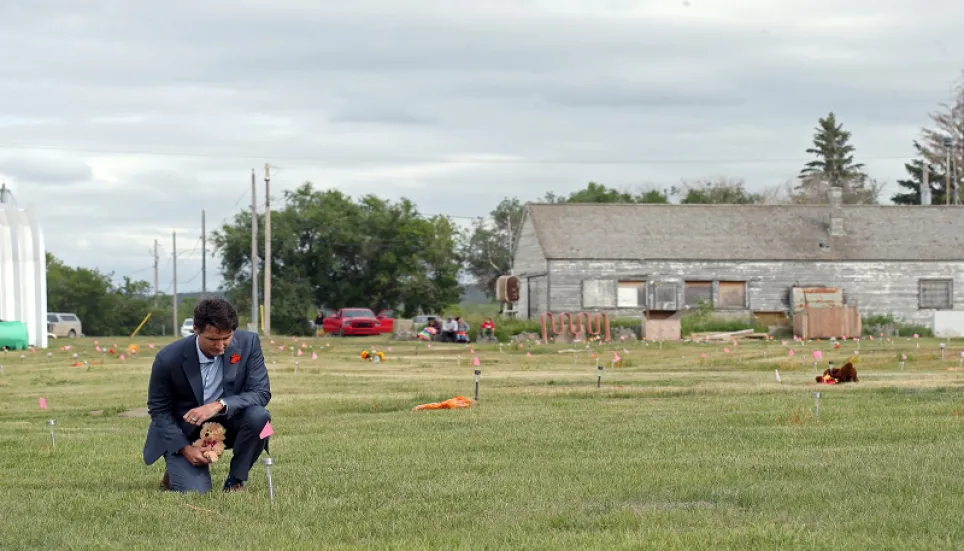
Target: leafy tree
point(486, 251)
point(105, 309)
point(833, 167)
point(331, 251)
point(717, 192)
point(911, 187)
point(599, 193)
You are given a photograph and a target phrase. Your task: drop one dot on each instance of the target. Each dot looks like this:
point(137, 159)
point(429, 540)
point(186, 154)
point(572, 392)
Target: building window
point(665, 297)
point(732, 295)
point(599, 293)
point(698, 292)
point(630, 294)
point(936, 293)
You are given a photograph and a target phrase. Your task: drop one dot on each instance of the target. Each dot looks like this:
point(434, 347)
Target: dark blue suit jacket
point(176, 388)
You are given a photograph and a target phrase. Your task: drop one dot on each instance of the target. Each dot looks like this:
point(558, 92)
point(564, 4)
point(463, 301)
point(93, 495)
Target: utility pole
point(948, 142)
point(267, 249)
point(204, 257)
point(254, 252)
point(156, 290)
point(509, 239)
point(174, 262)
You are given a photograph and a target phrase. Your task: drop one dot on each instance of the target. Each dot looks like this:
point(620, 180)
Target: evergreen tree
point(909, 194)
point(834, 166)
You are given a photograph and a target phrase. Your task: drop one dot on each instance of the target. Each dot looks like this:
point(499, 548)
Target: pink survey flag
point(43, 403)
point(314, 355)
point(475, 361)
point(267, 430)
point(817, 355)
point(616, 357)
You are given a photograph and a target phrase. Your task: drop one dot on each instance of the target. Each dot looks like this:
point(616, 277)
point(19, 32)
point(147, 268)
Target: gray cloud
point(152, 112)
point(44, 169)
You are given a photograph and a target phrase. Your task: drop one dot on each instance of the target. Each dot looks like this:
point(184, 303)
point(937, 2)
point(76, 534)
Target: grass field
point(674, 451)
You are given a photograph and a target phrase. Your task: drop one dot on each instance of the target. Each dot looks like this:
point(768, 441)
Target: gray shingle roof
point(747, 232)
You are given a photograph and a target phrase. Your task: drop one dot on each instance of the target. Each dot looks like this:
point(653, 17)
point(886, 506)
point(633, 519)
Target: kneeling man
point(217, 374)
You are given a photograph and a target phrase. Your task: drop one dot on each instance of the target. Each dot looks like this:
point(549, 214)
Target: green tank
point(13, 335)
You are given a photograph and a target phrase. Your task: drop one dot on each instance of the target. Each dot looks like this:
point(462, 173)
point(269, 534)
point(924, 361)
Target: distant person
point(488, 328)
point(449, 329)
point(217, 374)
point(462, 334)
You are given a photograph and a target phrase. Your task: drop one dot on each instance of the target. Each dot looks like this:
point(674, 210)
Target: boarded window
point(936, 293)
point(698, 292)
point(631, 294)
point(732, 295)
point(599, 293)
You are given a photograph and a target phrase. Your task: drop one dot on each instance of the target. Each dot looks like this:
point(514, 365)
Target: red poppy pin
point(235, 358)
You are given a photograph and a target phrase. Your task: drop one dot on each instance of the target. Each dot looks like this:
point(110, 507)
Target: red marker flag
point(43, 403)
point(267, 430)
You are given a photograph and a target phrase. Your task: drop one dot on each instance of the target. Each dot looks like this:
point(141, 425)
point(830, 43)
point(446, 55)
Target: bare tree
point(948, 122)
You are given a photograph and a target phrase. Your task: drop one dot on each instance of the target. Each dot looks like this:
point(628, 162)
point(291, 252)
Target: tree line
point(330, 250)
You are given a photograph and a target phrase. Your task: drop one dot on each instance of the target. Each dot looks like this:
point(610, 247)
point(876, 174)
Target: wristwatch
point(224, 405)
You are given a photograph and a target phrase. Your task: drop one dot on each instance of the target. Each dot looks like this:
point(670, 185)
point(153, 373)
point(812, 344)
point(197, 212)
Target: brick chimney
point(836, 212)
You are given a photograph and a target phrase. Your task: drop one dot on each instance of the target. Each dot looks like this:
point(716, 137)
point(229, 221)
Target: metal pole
point(267, 249)
point(156, 285)
point(254, 252)
point(947, 185)
point(204, 257)
point(174, 279)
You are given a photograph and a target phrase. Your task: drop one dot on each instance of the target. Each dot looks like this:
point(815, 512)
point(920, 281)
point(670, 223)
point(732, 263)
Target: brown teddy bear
point(846, 374)
point(211, 442)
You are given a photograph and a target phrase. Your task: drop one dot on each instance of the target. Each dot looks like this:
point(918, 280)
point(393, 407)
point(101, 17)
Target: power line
point(449, 161)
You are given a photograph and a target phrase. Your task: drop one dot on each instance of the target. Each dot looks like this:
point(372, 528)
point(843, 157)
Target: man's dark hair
point(216, 312)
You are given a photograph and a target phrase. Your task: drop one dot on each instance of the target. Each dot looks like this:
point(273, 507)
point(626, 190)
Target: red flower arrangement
point(235, 358)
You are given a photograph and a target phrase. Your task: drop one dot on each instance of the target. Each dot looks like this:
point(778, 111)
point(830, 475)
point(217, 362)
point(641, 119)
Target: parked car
point(358, 321)
point(187, 328)
point(64, 325)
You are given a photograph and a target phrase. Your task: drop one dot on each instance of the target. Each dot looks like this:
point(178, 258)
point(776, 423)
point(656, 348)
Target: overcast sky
point(120, 120)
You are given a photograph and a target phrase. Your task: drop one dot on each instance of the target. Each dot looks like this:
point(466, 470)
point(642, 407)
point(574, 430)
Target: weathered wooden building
point(621, 258)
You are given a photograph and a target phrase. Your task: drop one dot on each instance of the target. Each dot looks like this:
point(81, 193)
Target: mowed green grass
point(672, 452)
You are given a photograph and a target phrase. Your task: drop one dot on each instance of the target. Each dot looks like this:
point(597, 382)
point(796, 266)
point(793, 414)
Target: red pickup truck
point(358, 321)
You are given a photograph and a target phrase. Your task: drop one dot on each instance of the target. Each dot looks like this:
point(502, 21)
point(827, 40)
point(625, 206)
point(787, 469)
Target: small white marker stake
point(478, 375)
point(459, 358)
point(943, 346)
point(53, 439)
point(816, 404)
point(49, 356)
point(776, 372)
point(267, 468)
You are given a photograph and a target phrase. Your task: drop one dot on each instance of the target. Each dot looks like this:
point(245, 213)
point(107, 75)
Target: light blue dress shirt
point(212, 375)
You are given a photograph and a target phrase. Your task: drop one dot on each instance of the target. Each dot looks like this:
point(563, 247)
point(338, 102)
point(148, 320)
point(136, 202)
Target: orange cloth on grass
point(451, 403)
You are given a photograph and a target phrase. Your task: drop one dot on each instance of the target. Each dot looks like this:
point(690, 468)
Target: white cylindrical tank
point(23, 272)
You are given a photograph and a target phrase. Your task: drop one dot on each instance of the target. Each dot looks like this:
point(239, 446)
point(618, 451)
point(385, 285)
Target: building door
point(537, 296)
